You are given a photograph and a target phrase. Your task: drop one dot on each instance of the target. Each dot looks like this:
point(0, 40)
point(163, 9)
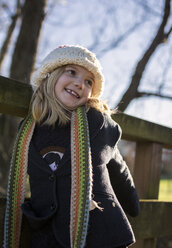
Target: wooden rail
point(145, 225)
point(155, 219)
point(15, 98)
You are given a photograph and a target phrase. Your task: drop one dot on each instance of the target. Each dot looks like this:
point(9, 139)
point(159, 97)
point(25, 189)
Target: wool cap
point(71, 54)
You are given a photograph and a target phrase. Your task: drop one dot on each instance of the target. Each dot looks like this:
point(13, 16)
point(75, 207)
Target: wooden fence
point(155, 219)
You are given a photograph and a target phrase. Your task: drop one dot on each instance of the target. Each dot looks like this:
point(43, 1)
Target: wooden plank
point(155, 220)
point(137, 129)
point(147, 169)
point(147, 243)
point(147, 172)
point(14, 97)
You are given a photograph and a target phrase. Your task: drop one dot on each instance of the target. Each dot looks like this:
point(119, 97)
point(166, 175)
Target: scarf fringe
point(94, 204)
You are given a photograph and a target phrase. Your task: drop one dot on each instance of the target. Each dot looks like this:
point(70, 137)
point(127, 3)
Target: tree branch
point(24, 54)
point(11, 28)
point(147, 94)
point(120, 39)
point(168, 33)
point(159, 38)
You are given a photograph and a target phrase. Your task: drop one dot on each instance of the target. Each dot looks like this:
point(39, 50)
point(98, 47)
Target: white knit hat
point(71, 54)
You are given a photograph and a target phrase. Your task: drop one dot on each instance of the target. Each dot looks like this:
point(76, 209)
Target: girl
point(68, 146)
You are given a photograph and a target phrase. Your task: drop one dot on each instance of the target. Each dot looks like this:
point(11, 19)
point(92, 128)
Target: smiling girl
point(68, 146)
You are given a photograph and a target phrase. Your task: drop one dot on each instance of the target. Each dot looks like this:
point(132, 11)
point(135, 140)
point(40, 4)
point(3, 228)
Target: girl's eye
point(72, 72)
point(89, 82)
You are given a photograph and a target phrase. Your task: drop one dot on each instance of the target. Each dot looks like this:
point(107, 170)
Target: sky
point(96, 24)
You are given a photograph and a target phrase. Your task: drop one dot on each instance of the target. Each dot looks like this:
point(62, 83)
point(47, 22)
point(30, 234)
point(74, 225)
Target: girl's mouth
point(73, 93)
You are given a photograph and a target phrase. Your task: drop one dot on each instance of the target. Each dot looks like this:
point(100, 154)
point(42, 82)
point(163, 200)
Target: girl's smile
point(73, 87)
point(72, 93)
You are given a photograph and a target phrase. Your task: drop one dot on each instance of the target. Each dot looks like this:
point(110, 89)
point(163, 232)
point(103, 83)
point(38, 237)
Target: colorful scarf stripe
point(81, 178)
point(17, 185)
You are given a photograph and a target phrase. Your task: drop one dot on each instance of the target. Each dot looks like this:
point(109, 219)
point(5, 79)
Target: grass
point(165, 190)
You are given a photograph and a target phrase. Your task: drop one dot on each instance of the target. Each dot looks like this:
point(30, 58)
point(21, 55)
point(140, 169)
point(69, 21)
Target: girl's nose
point(79, 83)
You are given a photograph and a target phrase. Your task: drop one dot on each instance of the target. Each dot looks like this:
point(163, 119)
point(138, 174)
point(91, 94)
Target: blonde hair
point(47, 109)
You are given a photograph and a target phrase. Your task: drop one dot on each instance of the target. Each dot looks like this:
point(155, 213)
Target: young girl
point(80, 186)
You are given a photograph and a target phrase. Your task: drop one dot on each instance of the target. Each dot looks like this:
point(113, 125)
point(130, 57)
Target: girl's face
point(73, 87)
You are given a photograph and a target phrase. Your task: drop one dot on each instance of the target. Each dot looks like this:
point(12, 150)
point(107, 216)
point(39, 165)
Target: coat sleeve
point(123, 184)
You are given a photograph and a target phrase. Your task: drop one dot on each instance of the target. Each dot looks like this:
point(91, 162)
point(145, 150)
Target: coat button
point(51, 177)
point(113, 204)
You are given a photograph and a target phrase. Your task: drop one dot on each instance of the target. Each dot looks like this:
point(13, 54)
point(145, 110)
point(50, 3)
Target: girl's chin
point(74, 105)
point(71, 108)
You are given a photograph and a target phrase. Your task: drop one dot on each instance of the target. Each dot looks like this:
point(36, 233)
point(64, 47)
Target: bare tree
point(109, 16)
point(10, 30)
point(104, 42)
point(26, 46)
point(160, 37)
point(23, 60)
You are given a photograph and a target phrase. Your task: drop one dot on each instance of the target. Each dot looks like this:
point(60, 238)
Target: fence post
point(147, 173)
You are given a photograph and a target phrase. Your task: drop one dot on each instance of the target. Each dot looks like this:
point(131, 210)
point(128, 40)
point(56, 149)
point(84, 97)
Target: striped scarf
point(81, 185)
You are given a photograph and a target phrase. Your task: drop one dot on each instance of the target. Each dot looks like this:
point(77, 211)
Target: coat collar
point(96, 122)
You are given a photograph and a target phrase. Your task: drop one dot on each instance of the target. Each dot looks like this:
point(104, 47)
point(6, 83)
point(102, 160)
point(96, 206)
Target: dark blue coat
point(50, 191)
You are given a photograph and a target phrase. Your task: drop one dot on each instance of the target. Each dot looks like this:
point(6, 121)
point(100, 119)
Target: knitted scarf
point(81, 185)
